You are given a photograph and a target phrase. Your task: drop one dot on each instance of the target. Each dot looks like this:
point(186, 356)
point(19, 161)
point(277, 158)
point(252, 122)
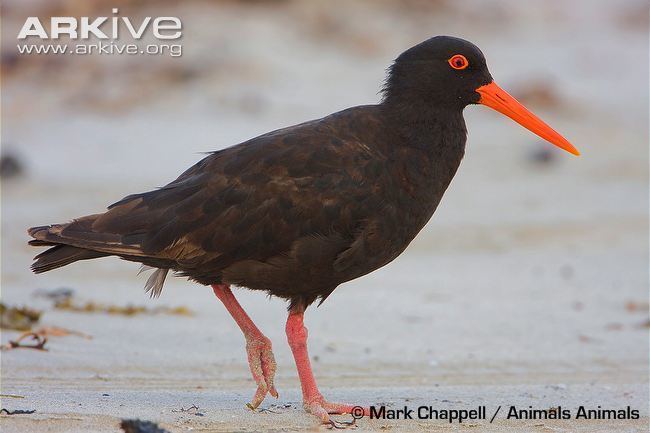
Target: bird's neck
point(428, 147)
point(436, 134)
point(430, 128)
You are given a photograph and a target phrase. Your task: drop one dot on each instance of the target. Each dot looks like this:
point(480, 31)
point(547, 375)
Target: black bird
point(298, 211)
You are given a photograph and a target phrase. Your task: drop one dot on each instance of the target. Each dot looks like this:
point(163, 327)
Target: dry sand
point(528, 288)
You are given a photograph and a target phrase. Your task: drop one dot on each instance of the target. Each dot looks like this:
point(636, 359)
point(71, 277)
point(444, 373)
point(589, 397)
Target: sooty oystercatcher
point(298, 211)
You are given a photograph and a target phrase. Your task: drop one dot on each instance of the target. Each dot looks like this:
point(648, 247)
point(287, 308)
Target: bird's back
point(296, 211)
point(263, 214)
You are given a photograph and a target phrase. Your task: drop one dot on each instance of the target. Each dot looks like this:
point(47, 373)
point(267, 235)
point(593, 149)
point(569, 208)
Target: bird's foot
point(322, 409)
point(262, 364)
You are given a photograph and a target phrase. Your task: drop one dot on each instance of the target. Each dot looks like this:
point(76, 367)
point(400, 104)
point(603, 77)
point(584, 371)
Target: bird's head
point(450, 73)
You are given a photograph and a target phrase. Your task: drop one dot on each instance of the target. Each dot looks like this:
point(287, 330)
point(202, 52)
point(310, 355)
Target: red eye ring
point(458, 61)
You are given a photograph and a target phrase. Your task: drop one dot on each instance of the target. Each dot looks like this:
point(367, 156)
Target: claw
point(313, 401)
point(340, 425)
point(262, 365)
point(323, 409)
point(258, 347)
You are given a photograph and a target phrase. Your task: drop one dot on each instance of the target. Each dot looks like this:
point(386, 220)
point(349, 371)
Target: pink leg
point(313, 401)
point(258, 347)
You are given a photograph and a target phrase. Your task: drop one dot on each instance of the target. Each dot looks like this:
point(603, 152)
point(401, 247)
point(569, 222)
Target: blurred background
point(533, 271)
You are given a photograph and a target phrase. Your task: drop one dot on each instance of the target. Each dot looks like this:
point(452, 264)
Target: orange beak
point(495, 97)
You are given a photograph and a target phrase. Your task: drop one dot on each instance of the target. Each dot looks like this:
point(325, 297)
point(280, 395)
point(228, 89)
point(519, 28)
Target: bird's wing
point(252, 201)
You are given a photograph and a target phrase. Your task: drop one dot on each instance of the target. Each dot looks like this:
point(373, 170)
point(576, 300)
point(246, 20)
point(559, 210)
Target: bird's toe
point(322, 409)
point(262, 365)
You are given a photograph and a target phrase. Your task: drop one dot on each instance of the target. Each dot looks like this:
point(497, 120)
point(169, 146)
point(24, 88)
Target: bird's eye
point(458, 61)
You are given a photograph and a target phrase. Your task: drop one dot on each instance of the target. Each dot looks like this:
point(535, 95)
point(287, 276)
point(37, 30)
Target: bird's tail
point(61, 255)
point(79, 240)
point(71, 242)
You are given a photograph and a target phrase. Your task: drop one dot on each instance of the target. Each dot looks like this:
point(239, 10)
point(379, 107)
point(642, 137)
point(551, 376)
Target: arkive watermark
point(109, 32)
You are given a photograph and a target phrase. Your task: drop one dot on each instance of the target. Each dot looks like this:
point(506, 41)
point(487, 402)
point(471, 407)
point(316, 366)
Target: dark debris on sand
point(18, 318)
point(4, 411)
point(139, 426)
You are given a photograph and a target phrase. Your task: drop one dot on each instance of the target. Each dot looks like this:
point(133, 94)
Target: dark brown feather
point(61, 255)
point(296, 212)
point(300, 210)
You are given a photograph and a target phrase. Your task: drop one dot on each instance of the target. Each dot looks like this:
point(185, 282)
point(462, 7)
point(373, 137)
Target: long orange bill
point(495, 97)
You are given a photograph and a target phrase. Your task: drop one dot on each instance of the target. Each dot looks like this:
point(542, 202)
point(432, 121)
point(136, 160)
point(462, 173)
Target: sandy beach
point(528, 288)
